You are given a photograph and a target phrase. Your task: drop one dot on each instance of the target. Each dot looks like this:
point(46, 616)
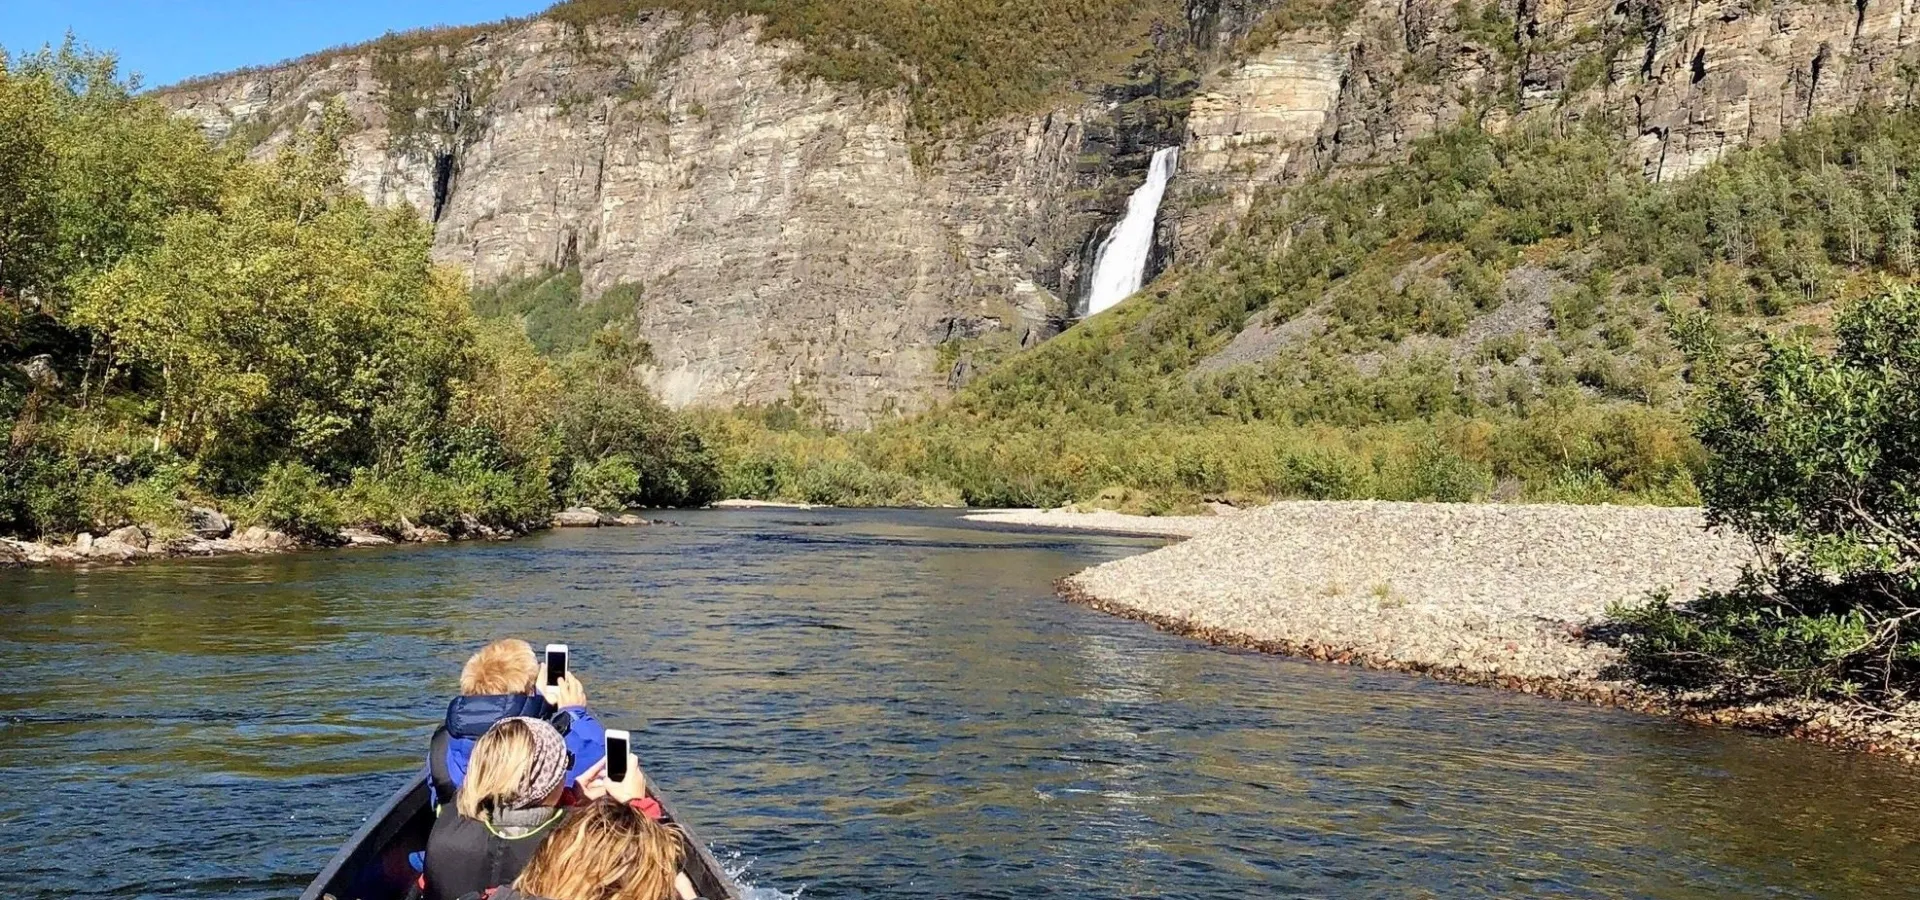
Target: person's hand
point(631, 789)
point(568, 694)
point(594, 783)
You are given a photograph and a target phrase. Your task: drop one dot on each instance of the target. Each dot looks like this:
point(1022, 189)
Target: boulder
point(577, 517)
point(631, 519)
point(132, 535)
point(108, 548)
point(83, 544)
point(195, 545)
point(421, 534)
point(207, 522)
point(471, 527)
point(257, 539)
point(362, 537)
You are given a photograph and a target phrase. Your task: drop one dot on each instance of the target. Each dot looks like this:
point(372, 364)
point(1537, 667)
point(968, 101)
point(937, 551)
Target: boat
point(373, 864)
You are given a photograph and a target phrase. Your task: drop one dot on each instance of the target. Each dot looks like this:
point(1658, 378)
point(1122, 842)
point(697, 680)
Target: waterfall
point(1121, 263)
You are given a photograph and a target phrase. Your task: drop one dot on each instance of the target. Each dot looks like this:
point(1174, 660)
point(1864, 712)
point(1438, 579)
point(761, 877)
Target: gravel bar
point(1099, 520)
point(1491, 594)
point(1487, 589)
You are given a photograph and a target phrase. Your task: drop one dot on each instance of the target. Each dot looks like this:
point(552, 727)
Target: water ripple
point(871, 705)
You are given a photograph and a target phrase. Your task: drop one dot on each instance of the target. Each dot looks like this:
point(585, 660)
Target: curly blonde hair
point(605, 850)
point(505, 666)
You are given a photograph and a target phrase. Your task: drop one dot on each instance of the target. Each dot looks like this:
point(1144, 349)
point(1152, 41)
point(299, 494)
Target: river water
point(855, 704)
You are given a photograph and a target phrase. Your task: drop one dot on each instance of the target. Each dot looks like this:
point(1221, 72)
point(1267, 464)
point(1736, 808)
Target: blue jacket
point(469, 717)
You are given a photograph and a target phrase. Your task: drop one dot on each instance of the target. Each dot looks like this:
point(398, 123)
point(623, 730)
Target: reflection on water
point(871, 705)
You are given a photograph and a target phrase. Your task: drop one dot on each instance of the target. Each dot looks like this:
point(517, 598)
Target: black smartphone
point(617, 749)
point(556, 663)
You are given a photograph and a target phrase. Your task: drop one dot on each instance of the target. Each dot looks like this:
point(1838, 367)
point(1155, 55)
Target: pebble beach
point(1494, 594)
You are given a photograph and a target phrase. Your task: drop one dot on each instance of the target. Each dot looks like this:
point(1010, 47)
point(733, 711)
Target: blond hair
point(605, 850)
point(505, 666)
point(507, 770)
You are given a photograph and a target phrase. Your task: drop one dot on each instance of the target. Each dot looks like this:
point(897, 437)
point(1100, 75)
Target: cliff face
point(1683, 82)
point(785, 242)
point(790, 240)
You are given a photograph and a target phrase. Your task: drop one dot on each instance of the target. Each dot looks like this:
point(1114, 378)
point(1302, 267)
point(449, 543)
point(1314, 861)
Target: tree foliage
point(1816, 458)
point(179, 323)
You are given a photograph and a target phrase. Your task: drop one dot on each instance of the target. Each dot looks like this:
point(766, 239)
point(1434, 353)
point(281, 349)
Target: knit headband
point(548, 768)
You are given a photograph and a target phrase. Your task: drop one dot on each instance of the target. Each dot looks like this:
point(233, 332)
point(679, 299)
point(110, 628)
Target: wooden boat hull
point(374, 865)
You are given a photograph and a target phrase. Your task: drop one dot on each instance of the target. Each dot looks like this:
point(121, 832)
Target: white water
point(1121, 263)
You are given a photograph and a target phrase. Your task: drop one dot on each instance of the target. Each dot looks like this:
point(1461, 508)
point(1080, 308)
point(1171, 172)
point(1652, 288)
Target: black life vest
point(465, 855)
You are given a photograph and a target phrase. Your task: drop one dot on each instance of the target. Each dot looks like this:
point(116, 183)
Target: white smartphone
point(618, 746)
point(556, 663)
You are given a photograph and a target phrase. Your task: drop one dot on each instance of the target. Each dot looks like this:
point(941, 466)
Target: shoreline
point(1532, 581)
point(219, 539)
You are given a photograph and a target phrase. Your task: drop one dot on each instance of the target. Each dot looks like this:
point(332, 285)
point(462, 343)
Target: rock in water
point(361, 537)
point(577, 517)
point(257, 540)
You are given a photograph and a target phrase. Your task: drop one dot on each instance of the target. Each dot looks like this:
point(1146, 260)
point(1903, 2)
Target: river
point(871, 704)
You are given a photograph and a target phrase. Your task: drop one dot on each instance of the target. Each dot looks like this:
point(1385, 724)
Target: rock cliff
point(791, 240)
point(787, 242)
point(1684, 82)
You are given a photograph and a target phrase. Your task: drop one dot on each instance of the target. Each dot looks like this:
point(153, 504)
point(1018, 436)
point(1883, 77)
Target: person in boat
point(501, 681)
point(606, 850)
point(514, 796)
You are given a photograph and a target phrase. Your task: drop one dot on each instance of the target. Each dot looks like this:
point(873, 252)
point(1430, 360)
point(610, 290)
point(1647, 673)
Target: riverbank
point(211, 533)
point(1505, 596)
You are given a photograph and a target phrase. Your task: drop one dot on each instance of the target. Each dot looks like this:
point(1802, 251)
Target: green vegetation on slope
point(179, 324)
point(1491, 318)
point(549, 307)
point(958, 60)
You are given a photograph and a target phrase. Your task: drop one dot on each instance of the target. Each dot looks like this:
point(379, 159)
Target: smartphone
point(617, 749)
point(556, 663)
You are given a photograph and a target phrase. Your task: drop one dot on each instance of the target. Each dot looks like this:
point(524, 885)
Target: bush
point(206, 326)
point(610, 483)
point(294, 498)
point(1437, 474)
point(1814, 459)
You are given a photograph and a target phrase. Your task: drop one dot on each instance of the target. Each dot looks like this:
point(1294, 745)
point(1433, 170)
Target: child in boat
point(501, 681)
point(604, 851)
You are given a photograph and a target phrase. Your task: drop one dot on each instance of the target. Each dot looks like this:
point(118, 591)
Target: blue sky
point(168, 40)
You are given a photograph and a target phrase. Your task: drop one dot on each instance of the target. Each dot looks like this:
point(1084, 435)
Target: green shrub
point(293, 498)
point(610, 483)
point(1322, 475)
point(216, 329)
point(1435, 473)
point(1813, 458)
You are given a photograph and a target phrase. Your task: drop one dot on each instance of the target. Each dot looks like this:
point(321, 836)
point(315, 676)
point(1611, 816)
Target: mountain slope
point(1496, 312)
point(787, 238)
point(854, 208)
